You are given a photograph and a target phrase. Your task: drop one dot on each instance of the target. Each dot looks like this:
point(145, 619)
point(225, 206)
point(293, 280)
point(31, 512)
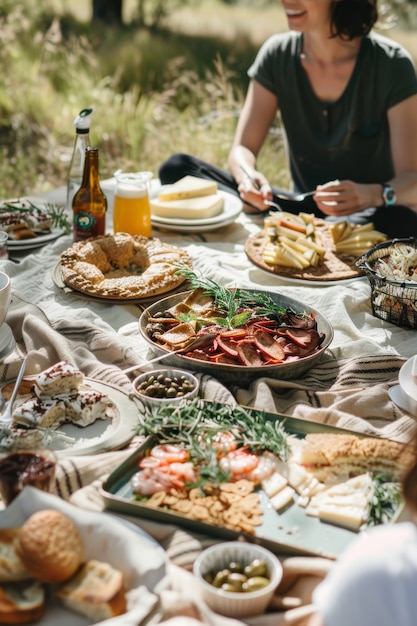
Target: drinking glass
point(131, 209)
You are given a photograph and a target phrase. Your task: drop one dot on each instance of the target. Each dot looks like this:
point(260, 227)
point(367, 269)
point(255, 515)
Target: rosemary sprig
point(385, 500)
point(236, 306)
point(57, 214)
point(195, 421)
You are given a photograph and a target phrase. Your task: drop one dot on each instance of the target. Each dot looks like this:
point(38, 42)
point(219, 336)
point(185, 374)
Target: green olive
point(257, 582)
point(256, 568)
point(229, 587)
point(237, 580)
point(221, 577)
point(235, 567)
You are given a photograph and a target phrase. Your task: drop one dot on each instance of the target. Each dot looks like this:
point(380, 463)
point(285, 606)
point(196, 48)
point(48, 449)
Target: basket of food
point(391, 268)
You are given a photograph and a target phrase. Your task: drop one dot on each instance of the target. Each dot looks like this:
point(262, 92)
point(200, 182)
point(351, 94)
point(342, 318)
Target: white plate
point(35, 242)
point(232, 208)
point(104, 434)
point(405, 378)
point(39, 240)
point(300, 282)
point(105, 538)
point(403, 400)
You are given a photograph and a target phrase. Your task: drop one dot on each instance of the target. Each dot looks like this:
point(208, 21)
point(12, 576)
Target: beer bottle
point(82, 141)
point(89, 204)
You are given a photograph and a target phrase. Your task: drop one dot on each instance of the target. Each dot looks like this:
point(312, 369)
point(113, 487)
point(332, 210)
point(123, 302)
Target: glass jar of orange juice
point(131, 209)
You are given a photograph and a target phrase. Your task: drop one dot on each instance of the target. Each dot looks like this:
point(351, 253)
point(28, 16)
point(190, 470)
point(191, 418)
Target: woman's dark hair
point(353, 18)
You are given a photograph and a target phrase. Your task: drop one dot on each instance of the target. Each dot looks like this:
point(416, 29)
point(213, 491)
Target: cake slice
point(86, 406)
point(37, 412)
point(59, 379)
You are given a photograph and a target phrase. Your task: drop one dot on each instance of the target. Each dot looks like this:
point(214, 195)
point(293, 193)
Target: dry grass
point(152, 96)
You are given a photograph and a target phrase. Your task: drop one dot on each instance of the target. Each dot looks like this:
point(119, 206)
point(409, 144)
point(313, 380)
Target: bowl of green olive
point(165, 387)
point(237, 579)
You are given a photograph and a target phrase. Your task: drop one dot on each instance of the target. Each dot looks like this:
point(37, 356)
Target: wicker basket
point(393, 301)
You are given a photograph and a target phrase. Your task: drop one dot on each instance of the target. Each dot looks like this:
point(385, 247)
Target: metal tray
point(290, 532)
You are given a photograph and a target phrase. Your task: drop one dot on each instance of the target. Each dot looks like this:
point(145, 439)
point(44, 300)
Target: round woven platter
point(332, 267)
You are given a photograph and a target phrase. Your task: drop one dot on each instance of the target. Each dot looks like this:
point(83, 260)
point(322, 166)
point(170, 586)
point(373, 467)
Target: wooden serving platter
point(332, 267)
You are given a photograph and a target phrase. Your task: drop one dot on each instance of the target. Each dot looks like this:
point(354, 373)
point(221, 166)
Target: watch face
point(389, 195)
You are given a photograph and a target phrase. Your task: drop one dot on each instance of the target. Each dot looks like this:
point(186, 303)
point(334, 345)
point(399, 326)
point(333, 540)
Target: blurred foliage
point(178, 87)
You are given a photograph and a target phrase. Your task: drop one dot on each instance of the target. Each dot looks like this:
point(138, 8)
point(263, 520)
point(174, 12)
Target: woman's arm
point(255, 120)
point(347, 197)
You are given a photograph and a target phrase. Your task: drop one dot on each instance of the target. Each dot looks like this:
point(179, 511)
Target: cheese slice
point(189, 208)
point(283, 498)
point(188, 187)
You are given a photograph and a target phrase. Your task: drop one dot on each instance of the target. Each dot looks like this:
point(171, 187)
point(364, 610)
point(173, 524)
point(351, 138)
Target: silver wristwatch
point(388, 195)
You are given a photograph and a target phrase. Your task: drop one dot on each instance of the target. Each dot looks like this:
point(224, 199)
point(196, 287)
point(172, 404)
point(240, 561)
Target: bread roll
point(50, 546)
point(21, 602)
point(95, 591)
point(11, 566)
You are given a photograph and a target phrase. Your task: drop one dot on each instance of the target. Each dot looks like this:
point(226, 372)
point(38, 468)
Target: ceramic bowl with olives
point(237, 579)
point(165, 387)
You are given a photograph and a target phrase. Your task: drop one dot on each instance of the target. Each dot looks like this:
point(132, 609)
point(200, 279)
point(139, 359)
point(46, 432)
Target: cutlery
point(6, 416)
point(198, 342)
point(288, 195)
point(283, 195)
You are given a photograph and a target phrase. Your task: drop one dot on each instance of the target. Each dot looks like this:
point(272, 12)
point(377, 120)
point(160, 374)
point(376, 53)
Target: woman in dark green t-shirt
point(347, 98)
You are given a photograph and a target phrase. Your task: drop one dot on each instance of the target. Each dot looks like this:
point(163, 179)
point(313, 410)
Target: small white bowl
point(157, 401)
point(236, 603)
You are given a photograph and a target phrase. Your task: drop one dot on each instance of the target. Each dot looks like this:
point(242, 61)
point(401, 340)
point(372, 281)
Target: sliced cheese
point(349, 516)
point(283, 498)
point(188, 187)
point(274, 483)
point(189, 208)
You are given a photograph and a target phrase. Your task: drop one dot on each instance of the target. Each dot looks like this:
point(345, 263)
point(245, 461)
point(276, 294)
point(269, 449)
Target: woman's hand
point(344, 197)
point(254, 190)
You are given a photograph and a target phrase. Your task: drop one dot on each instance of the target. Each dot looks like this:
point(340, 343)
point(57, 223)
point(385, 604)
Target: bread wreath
point(122, 266)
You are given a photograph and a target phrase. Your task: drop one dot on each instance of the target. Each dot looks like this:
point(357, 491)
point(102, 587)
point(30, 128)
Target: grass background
point(153, 93)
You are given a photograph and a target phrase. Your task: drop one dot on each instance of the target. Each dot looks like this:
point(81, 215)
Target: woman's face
point(307, 15)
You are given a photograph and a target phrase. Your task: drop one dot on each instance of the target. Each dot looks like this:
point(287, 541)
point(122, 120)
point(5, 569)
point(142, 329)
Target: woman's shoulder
point(387, 47)
point(289, 41)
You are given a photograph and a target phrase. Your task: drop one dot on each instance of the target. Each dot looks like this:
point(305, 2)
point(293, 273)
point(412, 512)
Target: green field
point(153, 93)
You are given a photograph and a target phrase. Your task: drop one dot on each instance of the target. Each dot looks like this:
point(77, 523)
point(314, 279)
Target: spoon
point(198, 342)
point(6, 417)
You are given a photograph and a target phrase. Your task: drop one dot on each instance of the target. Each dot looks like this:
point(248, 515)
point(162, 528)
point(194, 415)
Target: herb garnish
point(385, 500)
point(187, 423)
point(235, 306)
point(57, 214)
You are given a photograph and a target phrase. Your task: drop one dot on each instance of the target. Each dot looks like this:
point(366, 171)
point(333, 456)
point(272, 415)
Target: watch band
point(388, 195)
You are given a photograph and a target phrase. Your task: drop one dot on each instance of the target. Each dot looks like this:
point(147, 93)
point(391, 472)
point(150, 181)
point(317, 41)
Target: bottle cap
point(83, 119)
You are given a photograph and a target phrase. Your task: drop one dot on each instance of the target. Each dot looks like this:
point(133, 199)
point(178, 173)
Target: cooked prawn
point(169, 453)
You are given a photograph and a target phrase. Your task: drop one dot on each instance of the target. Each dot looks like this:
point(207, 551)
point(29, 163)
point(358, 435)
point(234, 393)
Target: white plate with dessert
point(30, 222)
point(63, 411)
point(193, 205)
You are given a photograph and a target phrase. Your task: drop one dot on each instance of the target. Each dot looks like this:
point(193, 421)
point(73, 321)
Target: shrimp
point(169, 453)
point(239, 463)
point(145, 485)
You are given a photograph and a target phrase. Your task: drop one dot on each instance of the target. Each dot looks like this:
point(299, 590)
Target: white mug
point(5, 295)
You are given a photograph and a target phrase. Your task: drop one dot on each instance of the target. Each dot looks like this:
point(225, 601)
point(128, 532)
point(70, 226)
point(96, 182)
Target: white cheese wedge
point(188, 187)
point(351, 517)
point(283, 498)
point(189, 208)
point(273, 484)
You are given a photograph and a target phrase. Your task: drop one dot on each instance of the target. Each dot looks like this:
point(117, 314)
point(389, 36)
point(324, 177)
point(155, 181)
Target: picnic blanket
point(348, 388)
